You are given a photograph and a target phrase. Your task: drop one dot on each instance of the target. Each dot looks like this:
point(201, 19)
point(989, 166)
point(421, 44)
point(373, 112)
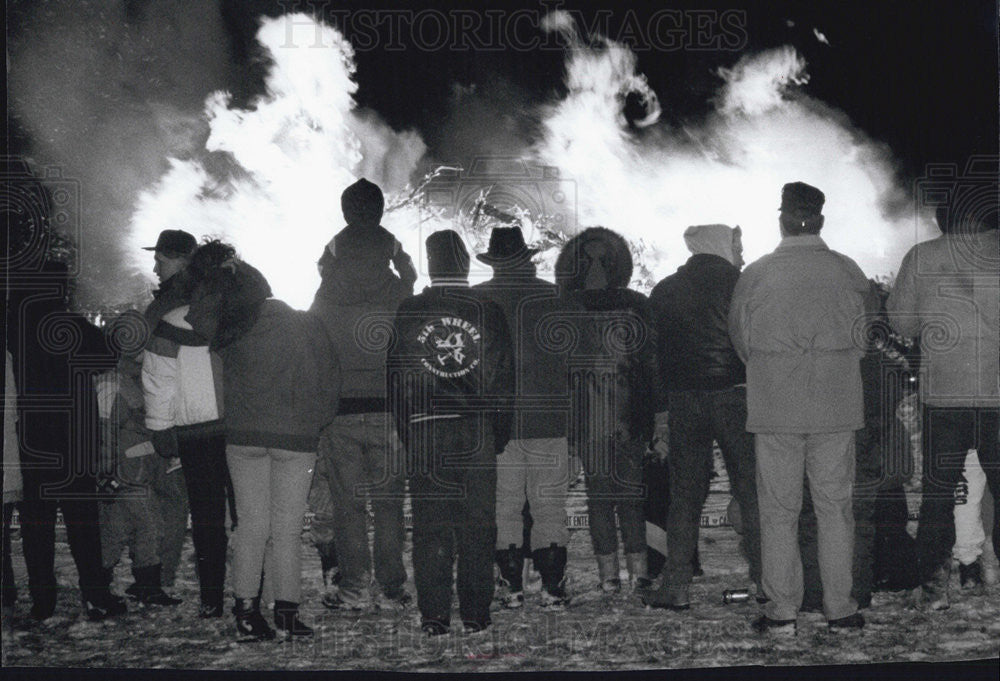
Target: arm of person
point(160, 376)
point(739, 322)
point(903, 303)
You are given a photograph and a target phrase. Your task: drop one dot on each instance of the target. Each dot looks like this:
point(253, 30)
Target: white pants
point(969, 533)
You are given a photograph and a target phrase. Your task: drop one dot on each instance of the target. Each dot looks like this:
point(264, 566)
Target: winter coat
point(451, 358)
point(181, 378)
point(120, 406)
point(691, 309)
point(533, 308)
point(56, 353)
point(615, 379)
point(281, 375)
point(797, 318)
point(946, 293)
point(357, 300)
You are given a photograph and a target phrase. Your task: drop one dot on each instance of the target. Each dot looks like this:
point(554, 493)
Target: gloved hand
point(164, 442)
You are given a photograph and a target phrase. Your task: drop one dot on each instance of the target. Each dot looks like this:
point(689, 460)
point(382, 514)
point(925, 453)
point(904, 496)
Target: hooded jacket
point(281, 375)
point(357, 300)
point(691, 308)
point(615, 362)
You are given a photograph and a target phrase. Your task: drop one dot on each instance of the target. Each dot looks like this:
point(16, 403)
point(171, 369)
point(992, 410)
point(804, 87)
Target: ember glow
point(274, 172)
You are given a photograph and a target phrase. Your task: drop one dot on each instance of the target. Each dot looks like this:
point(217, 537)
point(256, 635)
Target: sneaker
point(393, 599)
point(511, 600)
point(475, 626)
point(971, 576)
point(855, 621)
point(766, 625)
point(345, 600)
point(611, 586)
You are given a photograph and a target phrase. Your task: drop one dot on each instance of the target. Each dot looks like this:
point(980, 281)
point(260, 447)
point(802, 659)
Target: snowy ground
point(597, 632)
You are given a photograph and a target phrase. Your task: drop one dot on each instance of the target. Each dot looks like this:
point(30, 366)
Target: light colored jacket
point(181, 379)
point(794, 320)
point(948, 293)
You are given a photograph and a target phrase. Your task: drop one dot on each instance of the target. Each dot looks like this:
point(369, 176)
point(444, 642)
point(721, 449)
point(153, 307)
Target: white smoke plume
point(107, 92)
point(730, 169)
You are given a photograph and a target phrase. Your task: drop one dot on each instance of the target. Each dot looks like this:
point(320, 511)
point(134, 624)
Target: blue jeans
point(364, 461)
point(271, 487)
point(697, 417)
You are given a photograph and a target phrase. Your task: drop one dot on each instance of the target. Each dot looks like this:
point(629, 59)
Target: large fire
point(286, 159)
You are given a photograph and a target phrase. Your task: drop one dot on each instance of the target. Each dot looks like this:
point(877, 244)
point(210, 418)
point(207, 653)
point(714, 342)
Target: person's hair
point(797, 225)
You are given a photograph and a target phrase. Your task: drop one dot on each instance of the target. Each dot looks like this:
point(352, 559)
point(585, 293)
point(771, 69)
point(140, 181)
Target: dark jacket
point(691, 309)
point(281, 375)
point(56, 354)
point(615, 374)
point(451, 358)
point(357, 301)
point(532, 306)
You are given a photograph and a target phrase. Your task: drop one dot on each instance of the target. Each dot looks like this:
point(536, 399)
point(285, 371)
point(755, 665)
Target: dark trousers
point(697, 417)
point(867, 476)
point(614, 485)
point(453, 478)
point(9, 585)
point(948, 434)
point(38, 533)
point(894, 561)
point(206, 474)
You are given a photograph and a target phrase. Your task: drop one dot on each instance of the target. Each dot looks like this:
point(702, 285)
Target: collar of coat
point(802, 241)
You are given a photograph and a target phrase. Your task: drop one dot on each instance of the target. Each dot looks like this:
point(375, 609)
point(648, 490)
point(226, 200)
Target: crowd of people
point(481, 402)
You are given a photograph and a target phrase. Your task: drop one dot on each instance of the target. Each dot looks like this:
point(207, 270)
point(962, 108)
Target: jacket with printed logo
point(451, 358)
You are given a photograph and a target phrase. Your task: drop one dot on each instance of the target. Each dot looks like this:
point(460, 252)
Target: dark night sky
point(918, 75)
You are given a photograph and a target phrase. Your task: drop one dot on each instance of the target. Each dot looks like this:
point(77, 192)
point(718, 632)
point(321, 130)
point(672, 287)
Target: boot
point(511, 564)
point(935, 589)
point(329, 565)
point(637, 572)
point(551, 564)
point(971, 576)
point(147, 588)
point(696, 570)
point(250, 624)
point(286, 619)
point(100, 603)
point(608, 572)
